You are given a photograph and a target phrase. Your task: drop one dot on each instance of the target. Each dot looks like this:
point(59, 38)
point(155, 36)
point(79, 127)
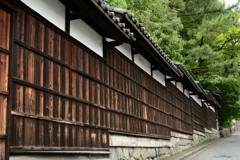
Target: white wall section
point(180, 86)
point(186, 92)
point(142, 63)
point(159, 77)
point(206, 104)
point(173, 82)
point(86, 35)
point(52, 10)
point(196, 99)
point(212, 108)
point(126, 50)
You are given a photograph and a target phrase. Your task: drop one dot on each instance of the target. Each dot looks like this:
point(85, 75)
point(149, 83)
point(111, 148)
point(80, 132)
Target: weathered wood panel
point(66, 97)
point(4, 71)
point(4, 29)
point(199, 117)
point(179, 108)
point(211, 118)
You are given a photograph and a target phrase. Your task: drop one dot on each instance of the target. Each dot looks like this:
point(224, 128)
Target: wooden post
point(6, 51)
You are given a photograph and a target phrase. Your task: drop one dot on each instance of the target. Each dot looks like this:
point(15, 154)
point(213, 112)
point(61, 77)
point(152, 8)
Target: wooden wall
point(137, 94)
point(56, 94)
point(65, 97)
point(4, 70)
point(211, 118)
point(180, 110)
point(203, 117)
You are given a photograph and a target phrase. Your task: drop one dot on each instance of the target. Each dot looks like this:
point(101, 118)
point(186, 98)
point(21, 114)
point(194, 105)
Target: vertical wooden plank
point(29, 132)
point(4, 64)
point(3, 113)
point(2, 149)
point(51, 134)
point(30, 105)
point(93, 138)
point(5, 27)
point(40, 134)
point(80, 112)
point(66, 135)
point(86, 113)
point(87, 137)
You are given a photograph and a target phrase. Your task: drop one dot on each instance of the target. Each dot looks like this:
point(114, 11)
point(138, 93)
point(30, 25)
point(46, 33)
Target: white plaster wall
point(159, 77)
point(86, 35)
point(173, 82)
point(206, 104)
point(52, 10)
point(212, 108)
point(180, 86)
point(142, 63)
point(186, 92)
point(126, 50)
point(195, 98)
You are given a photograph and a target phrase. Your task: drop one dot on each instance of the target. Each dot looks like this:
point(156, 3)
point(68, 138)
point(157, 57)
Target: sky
point(231, 2)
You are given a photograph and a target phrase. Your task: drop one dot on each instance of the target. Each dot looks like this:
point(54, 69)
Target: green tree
point(230, 101)
point(211, 53)
point(118, 3)
point(160, 21)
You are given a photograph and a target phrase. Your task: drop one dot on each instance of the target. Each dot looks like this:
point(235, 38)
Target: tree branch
point(196, 14)
point(224, 44)
point(199, 68)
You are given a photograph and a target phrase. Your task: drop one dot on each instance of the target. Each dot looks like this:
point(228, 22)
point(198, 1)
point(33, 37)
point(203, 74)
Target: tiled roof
point(109, 10)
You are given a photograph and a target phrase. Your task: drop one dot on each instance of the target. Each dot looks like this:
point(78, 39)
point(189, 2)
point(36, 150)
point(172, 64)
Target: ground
point(224, 149)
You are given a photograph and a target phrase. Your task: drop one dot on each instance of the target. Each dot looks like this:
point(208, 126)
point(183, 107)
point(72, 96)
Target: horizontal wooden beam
point(32, 116)
point(7, 7)
point(182, 131)
point(4, 50)
point(170, 79)
point(3, 136)
point(138, 51)
point(58, 152)
point(192, 94)
point(154, 68)
point(114, 43)
point(78, 15)
point(139, 135)
point(3, 92)
point(32, 148)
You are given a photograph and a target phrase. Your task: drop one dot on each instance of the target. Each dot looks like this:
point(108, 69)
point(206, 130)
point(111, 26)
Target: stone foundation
point(137, 148)
point(180, 142)
point(199, 137)
point(136, 153)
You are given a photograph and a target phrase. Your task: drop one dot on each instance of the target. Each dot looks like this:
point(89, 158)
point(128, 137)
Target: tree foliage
point(161, 22)
point(203, 35)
